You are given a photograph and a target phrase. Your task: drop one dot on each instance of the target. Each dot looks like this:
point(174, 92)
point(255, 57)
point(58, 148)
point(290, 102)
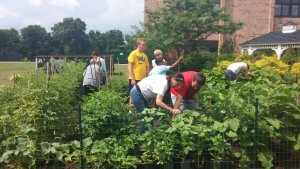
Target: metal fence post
point(255, 134)
point(80, 137)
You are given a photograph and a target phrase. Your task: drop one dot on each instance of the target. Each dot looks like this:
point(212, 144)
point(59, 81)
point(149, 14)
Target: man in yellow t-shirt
point(137, 64)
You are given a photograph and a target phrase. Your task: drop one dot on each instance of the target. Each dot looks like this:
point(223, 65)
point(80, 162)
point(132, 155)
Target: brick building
point(259, 16)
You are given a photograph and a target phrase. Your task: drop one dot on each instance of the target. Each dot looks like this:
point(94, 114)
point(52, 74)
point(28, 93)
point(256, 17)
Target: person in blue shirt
point(162, 68)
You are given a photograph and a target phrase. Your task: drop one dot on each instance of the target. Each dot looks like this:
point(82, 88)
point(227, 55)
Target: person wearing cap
point(138, 64)
point(233, 70)
point(162, 67)
point(154, 88)
point(158, 58)
point(183, 97)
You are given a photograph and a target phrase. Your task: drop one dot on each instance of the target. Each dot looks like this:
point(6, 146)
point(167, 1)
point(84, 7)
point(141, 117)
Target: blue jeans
point(230, 75)
point(139, 105)
point(185, 104)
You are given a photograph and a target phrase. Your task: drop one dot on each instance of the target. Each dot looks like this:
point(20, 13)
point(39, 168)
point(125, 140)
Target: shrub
point(227, 47)
point(296, 71)
point(273, 64)
point(104, 114)
point(119, 84)
point(290, 56)
point(198, 61)
point(226, 56)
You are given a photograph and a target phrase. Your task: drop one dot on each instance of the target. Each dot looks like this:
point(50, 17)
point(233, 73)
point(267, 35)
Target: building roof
point(275, 38)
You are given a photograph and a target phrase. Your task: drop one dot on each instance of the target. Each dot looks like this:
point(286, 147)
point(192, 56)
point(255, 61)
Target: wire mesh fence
point(99, 132)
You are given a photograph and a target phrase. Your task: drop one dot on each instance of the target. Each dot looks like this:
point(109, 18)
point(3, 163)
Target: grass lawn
point(7, 69)
point(122, 68)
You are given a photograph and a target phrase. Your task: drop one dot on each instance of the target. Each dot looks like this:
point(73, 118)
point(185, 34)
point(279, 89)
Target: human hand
point(133, 82)
point(175, 112)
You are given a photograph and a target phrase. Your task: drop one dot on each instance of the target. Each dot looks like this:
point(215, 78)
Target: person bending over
point(183, 97)
point(154, 88)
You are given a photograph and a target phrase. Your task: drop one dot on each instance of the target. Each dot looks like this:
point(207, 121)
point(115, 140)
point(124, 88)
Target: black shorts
point(130, 86)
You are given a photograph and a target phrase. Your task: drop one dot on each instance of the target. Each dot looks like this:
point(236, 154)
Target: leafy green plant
point(38, 110)
point(277, 119)
point(119, 84)
point(105, 113)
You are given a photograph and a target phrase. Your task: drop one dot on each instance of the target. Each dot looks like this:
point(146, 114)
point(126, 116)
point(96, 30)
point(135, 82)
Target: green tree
point(181, 23)
point(290, 56)
point(227, 47)
point(114, 40)
point(198, 61)
point(34, 41)
point(9, 39)
point(95, 40)
point(130, 39)
point(70, 37)
point(10, 45)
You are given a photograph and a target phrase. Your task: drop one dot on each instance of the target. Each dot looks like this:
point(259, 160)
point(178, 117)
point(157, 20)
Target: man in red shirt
point(183, 97)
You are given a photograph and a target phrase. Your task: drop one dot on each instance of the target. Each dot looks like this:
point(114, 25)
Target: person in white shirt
point(91, 78)
point(154, 87)
point(158, 56)
point(233, 71)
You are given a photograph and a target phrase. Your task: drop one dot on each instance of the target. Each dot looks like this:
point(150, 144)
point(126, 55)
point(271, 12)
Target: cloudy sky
point(100, 15)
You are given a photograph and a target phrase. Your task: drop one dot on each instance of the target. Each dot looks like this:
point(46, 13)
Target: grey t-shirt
point(91, 75)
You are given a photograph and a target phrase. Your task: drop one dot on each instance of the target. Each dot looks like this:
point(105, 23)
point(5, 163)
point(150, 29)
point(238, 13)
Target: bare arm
point(179, 60)
point(246, 70)
point(159, 102)
point(177, 102)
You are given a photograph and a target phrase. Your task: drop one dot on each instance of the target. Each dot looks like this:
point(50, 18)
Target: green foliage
point(35, 122)
point(10, 44)
point(278, 115)
point(9, 40)
point(273, 64)
point(113, 152)
point(108, 41)
point(67, 38)
point(130, 39)
point(226, 56)
point(119, 84)
point(198, 61)
point(70, 37)
point(263, 52)
point(105, 114)
point(35, 41)
point(290, 56)
point(227, 47)
point(37, 111)
point(181, 23)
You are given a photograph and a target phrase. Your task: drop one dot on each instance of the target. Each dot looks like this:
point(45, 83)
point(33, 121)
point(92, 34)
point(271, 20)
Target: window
point(295, 10)
point(277, 10)
point(217, 3)
point(287, 8)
